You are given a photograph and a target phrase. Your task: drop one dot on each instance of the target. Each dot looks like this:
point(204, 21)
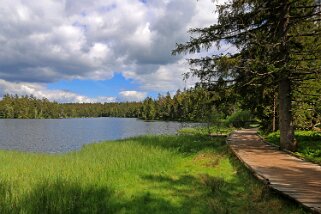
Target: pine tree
point(278, 44)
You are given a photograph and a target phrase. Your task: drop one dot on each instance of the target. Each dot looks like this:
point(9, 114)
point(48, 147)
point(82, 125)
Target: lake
point(63, 135)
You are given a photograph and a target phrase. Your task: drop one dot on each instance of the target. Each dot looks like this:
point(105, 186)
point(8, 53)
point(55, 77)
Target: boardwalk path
point(292, 176)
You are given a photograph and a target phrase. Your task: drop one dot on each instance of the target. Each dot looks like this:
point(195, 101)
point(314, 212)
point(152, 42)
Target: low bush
point(240, 119)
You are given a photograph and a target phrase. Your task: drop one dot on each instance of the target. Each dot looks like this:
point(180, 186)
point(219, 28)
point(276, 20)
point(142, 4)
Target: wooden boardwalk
point(296, 178)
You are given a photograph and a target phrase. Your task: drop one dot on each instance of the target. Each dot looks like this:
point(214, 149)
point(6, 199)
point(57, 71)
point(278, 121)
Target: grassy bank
point(211, 130)
point(165, 174)
point(309, 144)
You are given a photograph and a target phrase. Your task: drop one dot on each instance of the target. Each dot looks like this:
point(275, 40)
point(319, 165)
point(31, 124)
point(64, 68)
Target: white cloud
point(51, 40)
point(98, 52)
point(40, 91)
point(165, 78)
point(132, 96)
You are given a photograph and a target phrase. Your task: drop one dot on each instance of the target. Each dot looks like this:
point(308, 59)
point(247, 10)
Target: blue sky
point(96, 50)
point(100, 88)
point(94, 88)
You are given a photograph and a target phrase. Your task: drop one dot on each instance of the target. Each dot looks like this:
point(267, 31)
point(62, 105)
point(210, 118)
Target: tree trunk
point(274, 113)
point(287, 140)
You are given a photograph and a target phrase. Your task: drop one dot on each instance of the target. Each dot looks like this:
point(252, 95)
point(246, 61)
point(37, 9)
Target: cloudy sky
point(96, 50)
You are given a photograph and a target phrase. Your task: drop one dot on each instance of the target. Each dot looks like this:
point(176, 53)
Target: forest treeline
point(188, 105)
point(197, 104)
point(30, 107)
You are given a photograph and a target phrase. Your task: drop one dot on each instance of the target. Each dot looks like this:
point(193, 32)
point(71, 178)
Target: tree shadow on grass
point(72, 198)
point(60, 196)
point(186, 144)
point(65, 197)
point(184, 194)
point(69, 198)
point(200, 194)
point(260, 198)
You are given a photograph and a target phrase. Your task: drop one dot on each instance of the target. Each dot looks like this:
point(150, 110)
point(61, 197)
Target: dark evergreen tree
point(278, 44)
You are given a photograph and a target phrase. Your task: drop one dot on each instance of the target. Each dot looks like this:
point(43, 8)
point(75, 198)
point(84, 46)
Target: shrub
point(239, 119)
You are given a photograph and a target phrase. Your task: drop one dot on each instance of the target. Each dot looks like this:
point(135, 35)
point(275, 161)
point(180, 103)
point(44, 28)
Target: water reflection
point(62, 135)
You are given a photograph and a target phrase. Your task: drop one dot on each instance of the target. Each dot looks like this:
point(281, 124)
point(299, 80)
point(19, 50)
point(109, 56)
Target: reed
point(148, 174)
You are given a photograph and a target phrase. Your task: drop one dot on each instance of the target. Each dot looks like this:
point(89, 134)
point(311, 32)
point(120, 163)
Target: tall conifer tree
point(278, 44)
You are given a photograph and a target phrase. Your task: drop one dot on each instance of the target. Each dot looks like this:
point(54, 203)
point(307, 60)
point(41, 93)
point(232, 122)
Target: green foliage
point(163, 174)
point(240, 119)
point(278, 45)
point(29, 107)
point(212, 130)
point(309, 144)
point(148, 109)
point(307, 104)
point(196, 104)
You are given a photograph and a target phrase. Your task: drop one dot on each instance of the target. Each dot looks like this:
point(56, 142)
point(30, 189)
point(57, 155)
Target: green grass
point(309, 144)
point(150, 174)
point(215, 130)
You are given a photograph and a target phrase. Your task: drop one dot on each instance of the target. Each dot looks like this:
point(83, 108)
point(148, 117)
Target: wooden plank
point(291, 176)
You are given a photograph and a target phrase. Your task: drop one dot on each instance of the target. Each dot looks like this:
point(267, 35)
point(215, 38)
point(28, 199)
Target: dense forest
point(198, 104)
point(189, 105)
point(30, 107)
point(277, 58)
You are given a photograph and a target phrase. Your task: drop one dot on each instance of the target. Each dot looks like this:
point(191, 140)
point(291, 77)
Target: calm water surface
point(63, 135)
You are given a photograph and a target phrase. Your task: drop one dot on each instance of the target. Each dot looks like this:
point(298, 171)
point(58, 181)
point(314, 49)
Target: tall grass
point(163, 174)
point(211, 130)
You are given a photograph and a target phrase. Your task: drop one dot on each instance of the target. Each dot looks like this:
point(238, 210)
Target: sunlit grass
point(309, 144)
point(211, 130)
point(163, 174)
